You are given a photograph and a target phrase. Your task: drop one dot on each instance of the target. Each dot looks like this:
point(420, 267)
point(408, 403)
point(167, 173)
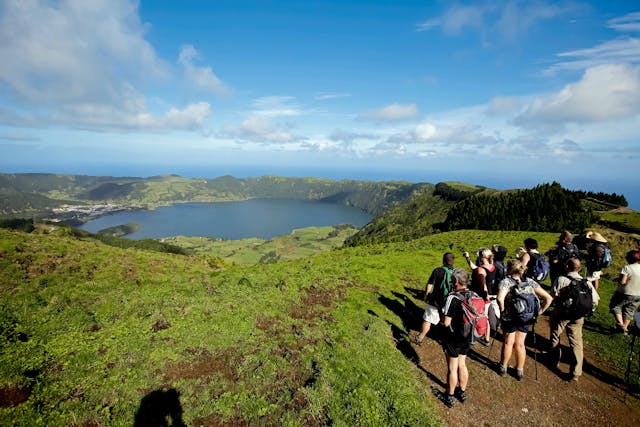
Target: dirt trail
point(599, 398)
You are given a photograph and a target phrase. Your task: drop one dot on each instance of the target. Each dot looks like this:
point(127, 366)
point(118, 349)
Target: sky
point(500, 93)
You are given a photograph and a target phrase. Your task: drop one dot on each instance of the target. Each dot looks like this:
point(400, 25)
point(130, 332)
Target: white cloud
point(626, 23)
point(456, 19)
point(74, 51)
point(624, 50)
point(202, 77)
point(322, 96)
point(259, 129)
point(504, 105)
point(392, 113)
point(83, 64)
point(505, 21)
point(277, 106)
point(604, 92)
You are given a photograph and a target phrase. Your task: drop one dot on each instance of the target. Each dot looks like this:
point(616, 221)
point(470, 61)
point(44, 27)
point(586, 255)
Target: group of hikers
point(508, 296)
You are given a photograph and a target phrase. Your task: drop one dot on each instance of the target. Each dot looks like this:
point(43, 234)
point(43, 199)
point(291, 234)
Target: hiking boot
point(460, 394)
point(501, 369)
point(484, 341)
point(448, 400)
point(417, 340)
point(519, 374)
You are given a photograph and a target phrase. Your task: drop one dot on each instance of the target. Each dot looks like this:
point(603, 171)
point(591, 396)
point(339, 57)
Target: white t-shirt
point(632, 271)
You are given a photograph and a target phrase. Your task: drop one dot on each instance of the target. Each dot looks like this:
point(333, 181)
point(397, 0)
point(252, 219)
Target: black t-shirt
point(436, 297)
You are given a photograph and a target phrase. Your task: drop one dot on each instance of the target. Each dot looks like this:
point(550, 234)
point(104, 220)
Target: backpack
point(442, 289)
point(540, 267)
point(599, 257)
point(566, 252)
point(575, 301)
point(522, 305)
point(474, 318)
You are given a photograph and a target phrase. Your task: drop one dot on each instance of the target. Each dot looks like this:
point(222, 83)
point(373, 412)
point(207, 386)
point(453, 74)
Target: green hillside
point(454, 205)
point(24, 194)
point(95, 335)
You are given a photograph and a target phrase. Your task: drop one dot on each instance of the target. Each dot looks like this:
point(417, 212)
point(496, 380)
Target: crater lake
point(262, 218)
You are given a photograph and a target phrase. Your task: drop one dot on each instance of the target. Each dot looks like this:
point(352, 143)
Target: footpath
point(599, 398)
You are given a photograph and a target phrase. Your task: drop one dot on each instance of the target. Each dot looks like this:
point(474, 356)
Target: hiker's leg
point(426, 326)
point(556, 328)
point(507, 348)
point(574, 333)
point(520, 350)
point(452, 374)
point(463, 373)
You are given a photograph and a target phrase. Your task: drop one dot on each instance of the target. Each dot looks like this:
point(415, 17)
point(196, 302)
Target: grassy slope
point(318, 340)
point(299, 243)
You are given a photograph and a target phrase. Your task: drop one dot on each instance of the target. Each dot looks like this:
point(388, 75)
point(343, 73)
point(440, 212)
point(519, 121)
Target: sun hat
point(594, 235)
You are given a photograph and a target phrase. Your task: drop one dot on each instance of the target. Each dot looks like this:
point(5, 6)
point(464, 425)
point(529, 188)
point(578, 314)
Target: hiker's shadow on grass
point(411, 317)
point(158, 408)
point(596, 327)
point(415, 293)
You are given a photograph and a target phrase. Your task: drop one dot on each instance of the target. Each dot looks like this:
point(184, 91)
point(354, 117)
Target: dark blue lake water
point(263, 218)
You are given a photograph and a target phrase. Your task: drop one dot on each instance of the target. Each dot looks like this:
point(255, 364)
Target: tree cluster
point(547, 207)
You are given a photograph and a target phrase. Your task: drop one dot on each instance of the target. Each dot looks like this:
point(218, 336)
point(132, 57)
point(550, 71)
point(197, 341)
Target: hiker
point(519, 308)
point(438, 288)
point(626, 299)
point(596, 257)
point(574, 299)
point(536, 265)
point(565, 249)
point(455, 344)
point(482, 282)
point(499, 254)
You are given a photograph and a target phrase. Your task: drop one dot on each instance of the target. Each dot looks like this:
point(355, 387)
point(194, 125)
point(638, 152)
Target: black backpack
point(575, 301)
point(566, 252)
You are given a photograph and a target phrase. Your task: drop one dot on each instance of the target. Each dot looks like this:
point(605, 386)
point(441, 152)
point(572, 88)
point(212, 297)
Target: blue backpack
point(540, 268)
point(521, 304)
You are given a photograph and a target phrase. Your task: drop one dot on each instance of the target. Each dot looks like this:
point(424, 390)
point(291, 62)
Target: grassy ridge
point(90, 331)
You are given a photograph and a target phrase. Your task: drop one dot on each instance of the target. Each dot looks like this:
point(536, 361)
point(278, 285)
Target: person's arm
point(547, 299)
point(427, 291)
point(525, 259)
point(623, 279)
point(502, 293)
point(447, 321)
point(472, 265)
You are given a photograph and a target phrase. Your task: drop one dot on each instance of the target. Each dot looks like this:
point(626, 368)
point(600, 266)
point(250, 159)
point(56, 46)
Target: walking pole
point(627, 374)
point(535, 348)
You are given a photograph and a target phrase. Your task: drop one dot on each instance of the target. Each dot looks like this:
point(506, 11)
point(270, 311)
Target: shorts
point(623, 304)
point(510, 327)
point(431, 314)
point(593, 275)
point(454, 348)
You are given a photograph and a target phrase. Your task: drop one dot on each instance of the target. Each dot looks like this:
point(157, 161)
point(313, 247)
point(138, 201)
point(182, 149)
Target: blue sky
point(506, 93)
